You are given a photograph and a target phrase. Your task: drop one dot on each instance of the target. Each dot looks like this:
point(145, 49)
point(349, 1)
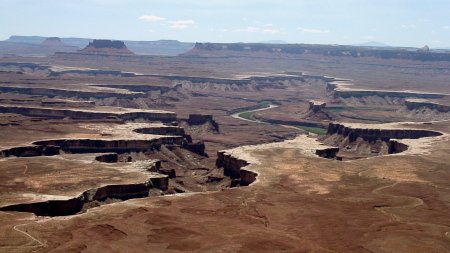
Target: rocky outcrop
point(162, 130)
point(414, 104)
point(327, 152)
point(52, 92)
point(197, 147)
point(199, 124)
point(385, 134)
point(44, 70)
point(233, 167)
point(316, 106)
point(425, 110)
point(108, 158)
point(88, 114)
point(30, 151)
point(317, 111)
point(107, 47)
point(371, 141)
point(74, 205)
point(119, 146)
point(382, 93)
point(199, 119)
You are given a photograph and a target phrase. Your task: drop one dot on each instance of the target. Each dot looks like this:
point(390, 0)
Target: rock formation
point(238, 163)
point(317, 111)
point(222, 49)
point(425, 110)
point(54, 41)
point(74, 205)
point(108, 47)
point(414, 104)
point(372, 140)
point(89, 114)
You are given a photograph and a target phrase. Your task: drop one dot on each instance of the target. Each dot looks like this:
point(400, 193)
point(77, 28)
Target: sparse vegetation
point(315, 130)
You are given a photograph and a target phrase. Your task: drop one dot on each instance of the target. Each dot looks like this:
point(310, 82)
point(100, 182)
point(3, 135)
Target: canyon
point(335, 149)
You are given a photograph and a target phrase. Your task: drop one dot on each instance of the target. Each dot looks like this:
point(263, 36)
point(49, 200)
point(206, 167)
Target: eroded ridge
point(74, 205)
point(366, 140)
point(124, 144)
point(240, 164)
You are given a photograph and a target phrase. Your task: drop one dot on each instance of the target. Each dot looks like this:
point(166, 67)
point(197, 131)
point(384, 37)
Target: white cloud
point(408, 26)
point(151, 18)
point(305, 30)
point(150, 30)
point(218, 30)
point(179, 26)
point(368, 38)
point(270, 31)
point(446, 27)
point(183, 22)
point(268, 25)
point(436, 41)
point(248, 30)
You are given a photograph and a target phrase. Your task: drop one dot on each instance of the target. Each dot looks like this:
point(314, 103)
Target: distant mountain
point(28, 45)
point(372, 44)
point(274, 42)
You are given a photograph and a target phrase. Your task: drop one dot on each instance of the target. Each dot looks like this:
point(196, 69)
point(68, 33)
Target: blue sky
point(395, 22)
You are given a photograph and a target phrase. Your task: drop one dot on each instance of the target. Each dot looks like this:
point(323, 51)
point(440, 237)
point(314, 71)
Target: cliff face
point(385, 134)
point(84, 114)
point(425, 110)
point(372, 141)
point(221, 49)
point(234, 167)
point(414, 104)
point(368, 93)
point(96, 145)
point(75, 205)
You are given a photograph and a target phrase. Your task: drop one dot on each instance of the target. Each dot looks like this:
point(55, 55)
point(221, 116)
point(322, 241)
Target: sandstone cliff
point(372, 140)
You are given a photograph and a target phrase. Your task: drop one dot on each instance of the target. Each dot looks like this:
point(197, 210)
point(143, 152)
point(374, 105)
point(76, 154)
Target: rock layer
point(372, 141)
point(74, 205)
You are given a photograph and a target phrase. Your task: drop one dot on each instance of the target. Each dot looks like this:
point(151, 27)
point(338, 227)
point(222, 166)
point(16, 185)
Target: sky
point(408, 23)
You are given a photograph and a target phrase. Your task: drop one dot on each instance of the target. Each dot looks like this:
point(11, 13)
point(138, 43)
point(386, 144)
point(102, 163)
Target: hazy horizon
point(401, 23)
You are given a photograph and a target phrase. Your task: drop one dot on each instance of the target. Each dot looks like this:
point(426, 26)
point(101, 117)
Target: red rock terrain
point(262, 188)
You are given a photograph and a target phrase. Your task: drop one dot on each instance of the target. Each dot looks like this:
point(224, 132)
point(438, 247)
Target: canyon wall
point(100, 146)
point(74, 205)
point(414, 104)
point(84, 114)
point(399, 94)
point(370, 140)
point(355, 132)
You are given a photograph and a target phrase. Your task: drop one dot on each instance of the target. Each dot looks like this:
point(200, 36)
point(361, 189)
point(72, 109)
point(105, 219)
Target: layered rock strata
point(414, 104)
point(74, 205)
point(373, 140)
point(122, 113)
